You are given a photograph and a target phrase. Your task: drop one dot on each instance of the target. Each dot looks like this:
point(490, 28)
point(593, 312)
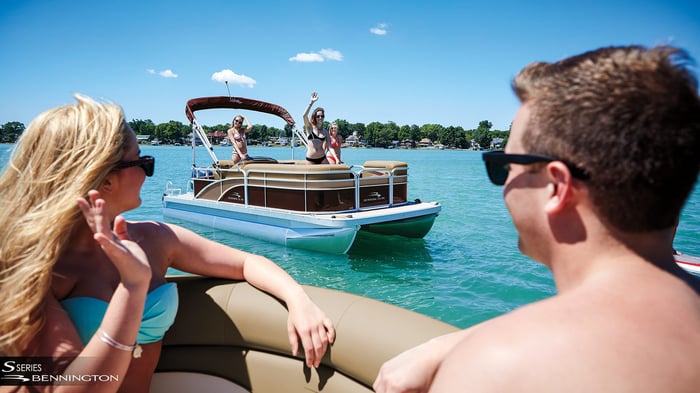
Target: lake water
point(466, 270)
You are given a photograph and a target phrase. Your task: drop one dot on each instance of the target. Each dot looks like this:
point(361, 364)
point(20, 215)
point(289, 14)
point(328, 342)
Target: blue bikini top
point(158, 314)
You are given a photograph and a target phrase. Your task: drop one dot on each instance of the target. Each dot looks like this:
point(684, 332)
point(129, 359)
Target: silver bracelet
point(107, 339)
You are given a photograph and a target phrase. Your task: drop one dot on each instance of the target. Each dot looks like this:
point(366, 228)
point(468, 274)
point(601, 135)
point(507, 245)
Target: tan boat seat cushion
point(389, 165)
point(188, 382)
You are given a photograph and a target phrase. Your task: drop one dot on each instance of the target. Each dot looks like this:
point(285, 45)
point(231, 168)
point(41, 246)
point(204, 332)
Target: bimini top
point(196, 104)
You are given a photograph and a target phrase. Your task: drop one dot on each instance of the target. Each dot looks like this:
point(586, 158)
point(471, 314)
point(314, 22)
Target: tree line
point(374, 134)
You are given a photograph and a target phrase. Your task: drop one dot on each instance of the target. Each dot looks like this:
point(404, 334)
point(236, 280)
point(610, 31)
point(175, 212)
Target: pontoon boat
point(300, 205)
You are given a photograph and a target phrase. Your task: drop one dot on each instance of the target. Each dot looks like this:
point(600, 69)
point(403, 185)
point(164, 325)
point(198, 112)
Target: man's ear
point(559, 187)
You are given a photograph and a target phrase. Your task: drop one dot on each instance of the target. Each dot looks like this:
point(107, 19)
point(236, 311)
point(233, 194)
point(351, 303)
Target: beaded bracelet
point(107, 339)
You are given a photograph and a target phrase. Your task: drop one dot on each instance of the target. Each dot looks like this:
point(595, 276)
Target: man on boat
point(602, 156)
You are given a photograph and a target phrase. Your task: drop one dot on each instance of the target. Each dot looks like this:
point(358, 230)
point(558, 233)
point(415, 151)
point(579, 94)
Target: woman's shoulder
point(151, 230)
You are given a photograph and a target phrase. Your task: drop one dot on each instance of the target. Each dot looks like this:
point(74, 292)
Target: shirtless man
point(602, 156)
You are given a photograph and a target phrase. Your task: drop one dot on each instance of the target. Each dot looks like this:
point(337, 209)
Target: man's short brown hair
point(630, 117)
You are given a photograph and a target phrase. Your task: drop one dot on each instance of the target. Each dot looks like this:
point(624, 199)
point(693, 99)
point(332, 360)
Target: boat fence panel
point(304, 187)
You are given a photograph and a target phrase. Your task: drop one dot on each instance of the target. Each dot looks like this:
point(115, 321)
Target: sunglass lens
point(149, 166)
point(498, 173)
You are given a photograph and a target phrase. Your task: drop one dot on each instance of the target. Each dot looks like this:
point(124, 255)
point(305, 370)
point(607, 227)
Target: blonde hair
point(64, 153)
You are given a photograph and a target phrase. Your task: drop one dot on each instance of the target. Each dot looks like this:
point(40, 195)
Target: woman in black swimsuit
point(317, 136)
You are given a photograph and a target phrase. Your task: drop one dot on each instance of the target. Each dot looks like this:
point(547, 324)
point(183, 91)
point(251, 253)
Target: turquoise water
point(466, 270)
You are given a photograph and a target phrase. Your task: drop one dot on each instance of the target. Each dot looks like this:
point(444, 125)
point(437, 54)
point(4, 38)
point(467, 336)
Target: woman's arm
point(250, 126)
point(195, 254)
point(339, 138)
point(307, 123)
point(326, 145)
point(110, 350)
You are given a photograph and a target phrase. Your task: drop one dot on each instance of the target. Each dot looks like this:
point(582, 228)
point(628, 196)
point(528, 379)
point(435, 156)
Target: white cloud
point(231, 77)
point(307, 57)
point(168, 74)
point(379, 29)
point(331, 54)
point(317, 57)
point(165, 74)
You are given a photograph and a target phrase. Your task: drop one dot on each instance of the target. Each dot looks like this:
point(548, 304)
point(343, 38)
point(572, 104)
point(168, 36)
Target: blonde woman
point(317, 136)
point(237, 136)
point(336, 141)
point(71, 286)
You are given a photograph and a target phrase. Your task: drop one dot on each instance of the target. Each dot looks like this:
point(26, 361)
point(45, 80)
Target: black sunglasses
point(147, 163)
point(497, 165)
point(320, 116)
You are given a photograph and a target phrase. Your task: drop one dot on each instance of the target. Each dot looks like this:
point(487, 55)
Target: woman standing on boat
point(317, 136)
point(237, 136)
point(333, 154)
point(93, 285)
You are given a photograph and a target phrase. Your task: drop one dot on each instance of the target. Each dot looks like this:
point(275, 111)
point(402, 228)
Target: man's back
point(635, 329)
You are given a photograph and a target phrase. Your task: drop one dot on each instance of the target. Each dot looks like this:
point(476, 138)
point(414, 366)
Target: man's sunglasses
point(147, 163)
point(497, 165)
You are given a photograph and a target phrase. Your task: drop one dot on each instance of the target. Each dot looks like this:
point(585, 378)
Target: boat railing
point(199, 133)
point(366, 187)
point(333, 179)
point(170, 189)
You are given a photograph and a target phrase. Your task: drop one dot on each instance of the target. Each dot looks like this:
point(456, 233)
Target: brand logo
point(43, 371)
point(234, 196)
point(373, 197)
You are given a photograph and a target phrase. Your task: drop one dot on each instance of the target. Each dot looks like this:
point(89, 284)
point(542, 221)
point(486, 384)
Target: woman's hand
point(126, 255)
point(309, 324)
point(314, 97)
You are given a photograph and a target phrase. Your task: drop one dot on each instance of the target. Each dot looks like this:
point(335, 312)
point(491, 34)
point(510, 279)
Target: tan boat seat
point(383, 168)
point(233, 331)
point(226, 164)
point(388, 165)
point(188, 382)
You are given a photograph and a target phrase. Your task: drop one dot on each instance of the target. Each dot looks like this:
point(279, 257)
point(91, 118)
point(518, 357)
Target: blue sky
point(411, 62)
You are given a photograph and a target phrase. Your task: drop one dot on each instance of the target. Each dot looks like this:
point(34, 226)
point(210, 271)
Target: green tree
point(482, 134)
point(372, 131)
point(485, 124)
point(431, 131)
point(386, 134)
point(142, 127)
point(358, 129)
point(172, 130)
point(11, 131)
point(404, 133)
point(288, 130)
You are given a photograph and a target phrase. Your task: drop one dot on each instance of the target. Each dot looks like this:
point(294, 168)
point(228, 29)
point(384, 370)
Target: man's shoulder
point(585, 336)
